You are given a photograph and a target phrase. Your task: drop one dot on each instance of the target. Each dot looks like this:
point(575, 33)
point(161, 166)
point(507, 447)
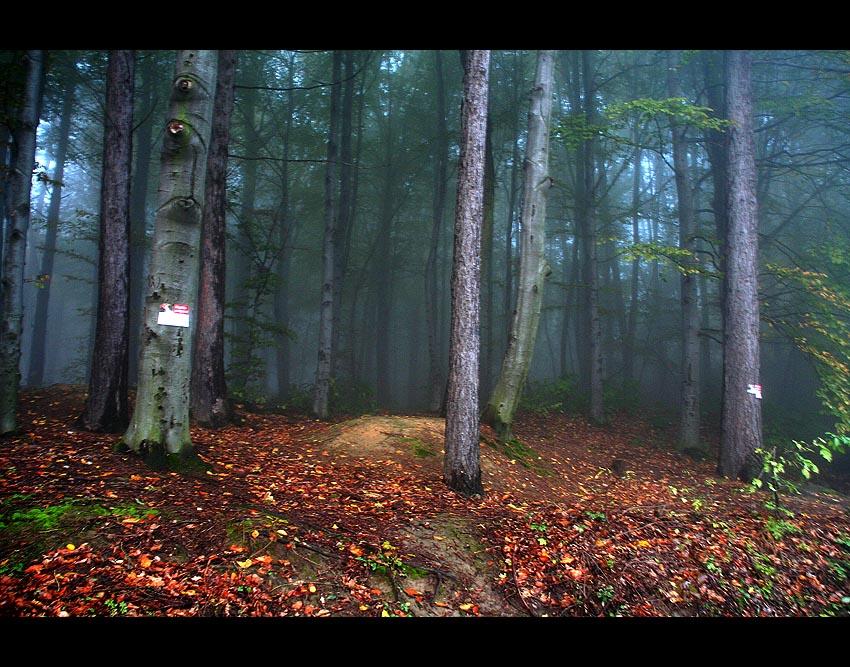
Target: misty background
point(397, 146)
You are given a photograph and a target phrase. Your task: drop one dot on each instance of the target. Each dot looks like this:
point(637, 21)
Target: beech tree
point(461, 464)
point(19, 192)
point(324, 363)
point(107, 407)
point(159, 428)
point(741, 413)
point(502, 405)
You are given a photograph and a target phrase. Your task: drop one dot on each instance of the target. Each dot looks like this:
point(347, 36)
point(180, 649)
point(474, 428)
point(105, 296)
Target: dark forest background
point(399, 152)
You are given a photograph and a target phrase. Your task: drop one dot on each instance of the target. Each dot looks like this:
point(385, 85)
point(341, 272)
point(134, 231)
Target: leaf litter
point(299, 517)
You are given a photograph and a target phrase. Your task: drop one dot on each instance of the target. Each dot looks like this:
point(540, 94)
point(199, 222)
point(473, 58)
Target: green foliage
point(518, 452)
point(686, 261)
point(548, 397)
point(678, 110)
point(778, 528)
point(53, 516)
point(24, 531)
point(820, 326)
point(385, 560)
point(574, 129)
point(783, 468)
point(344, 398)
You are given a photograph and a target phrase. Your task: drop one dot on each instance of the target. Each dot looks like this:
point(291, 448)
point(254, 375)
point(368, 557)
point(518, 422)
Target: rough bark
point(210, 405)
point(461, 464)
point(741, 428)
point(159, 428)
point(12, 288)
point(107, 408)
point(502, 404)
point(326, 310)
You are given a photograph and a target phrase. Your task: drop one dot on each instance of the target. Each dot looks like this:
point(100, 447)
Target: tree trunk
point(741, 432)
point(502, 405)
point(461, 464)
point(286, 238)
point(210, 405)
point(242, 262)
point(326, 310)
point(345, 219)
point(159, 429)
point(689, 419)
point(107, 408)
point(12, 289)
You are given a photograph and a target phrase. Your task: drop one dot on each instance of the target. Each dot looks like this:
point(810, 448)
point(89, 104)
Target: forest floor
point(299, 517)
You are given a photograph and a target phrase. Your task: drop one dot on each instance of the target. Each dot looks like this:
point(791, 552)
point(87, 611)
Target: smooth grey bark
point(341, 358)
point(326, 310)
point(504, 399)
point(159, 428)
point(12, 288)
point(38, 345)
point(436, 387)
point(689, 411)
point(741, 425)
point(107, 408)
point(461, 463)
point(210, 405)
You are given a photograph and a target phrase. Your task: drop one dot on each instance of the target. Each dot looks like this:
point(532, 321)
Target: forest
point(481, 236)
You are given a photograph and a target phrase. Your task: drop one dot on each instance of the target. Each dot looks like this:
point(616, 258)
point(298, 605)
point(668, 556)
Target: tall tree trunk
point(741, 428)
point(143, 148)
point(326, 311)
point(461, 464)
point(345, 218)
point(38, 349)
point(286, 235)
point(590, 353)
point(107, 408)
point(487, 261)
point(502, 404)
point(159, 429)
point(436, 387)
point(382, 273)
point(210, 405)
point(12, 289)
point(242, 262)
point(689, 419)
point(630, 337)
